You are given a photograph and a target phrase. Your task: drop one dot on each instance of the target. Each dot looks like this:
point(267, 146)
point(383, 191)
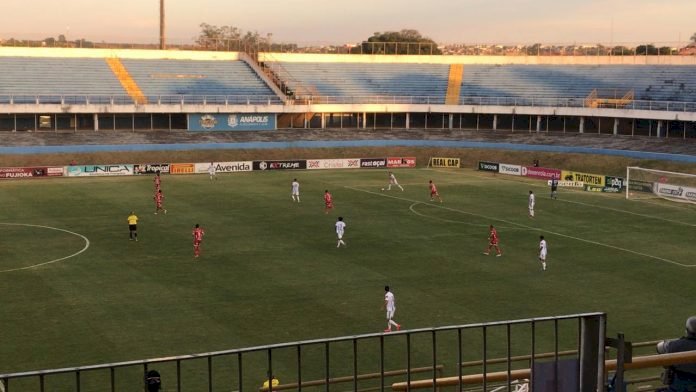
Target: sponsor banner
point(640, 186)
point(488, 166)
point(373, 163)
point(30, 172)
point(280, 165)
point(587, 178)
point(543, 173)
point(150, 168)
point(615, 182)
point(675, 191)
point(568, 184)
point(350, 163)
point(55, 171)
point(232, 122)
point(182, 168)
point(604, 189)
point(99, 170)
point(401, 162)
point(224, 167)
point(513, 170)
point(445, 162)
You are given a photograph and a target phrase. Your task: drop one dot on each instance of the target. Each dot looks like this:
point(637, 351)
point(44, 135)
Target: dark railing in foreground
point(226, 100)
point(409, 349)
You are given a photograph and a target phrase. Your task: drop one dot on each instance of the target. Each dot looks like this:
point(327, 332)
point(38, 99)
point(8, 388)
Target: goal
point(644, 183)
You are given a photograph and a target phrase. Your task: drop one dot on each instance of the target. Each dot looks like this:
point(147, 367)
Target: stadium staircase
point(454, 84)
point(126, 80)
point(268, 77)
point(609, 99)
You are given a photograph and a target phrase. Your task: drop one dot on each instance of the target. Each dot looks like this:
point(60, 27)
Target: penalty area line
point(529, 227)
point(87, 243)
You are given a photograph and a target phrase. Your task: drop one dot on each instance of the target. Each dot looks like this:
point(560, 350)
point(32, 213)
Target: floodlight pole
point(162, 41)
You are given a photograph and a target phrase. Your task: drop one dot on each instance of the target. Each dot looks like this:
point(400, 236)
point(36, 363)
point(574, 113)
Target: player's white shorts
point(390, 313)
point(531, 210)
point(339, 234)
point(542, 256)
point(295, 193)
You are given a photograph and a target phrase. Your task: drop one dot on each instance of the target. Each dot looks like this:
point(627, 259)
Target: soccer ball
point(382, 189)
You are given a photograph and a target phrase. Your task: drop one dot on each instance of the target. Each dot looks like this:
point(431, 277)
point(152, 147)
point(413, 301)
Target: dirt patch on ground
point(601, 164)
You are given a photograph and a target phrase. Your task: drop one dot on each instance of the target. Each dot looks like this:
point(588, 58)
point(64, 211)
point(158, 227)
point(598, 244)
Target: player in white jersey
point(390, 306)
point(340, 229)
point(542, 252)
point(392, 181)
point(295, 194)
point(212, 171)
point(532, 201)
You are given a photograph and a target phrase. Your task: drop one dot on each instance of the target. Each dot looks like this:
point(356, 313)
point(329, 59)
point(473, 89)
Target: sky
point(351, 21)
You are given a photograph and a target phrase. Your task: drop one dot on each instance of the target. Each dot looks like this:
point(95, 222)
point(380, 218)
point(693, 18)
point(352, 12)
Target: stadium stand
point(366, 79)
point(214, 79)
point(650, 83)
point(26, 77)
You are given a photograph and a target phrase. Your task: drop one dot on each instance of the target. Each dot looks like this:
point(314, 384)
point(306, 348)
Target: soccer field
point(270, 270)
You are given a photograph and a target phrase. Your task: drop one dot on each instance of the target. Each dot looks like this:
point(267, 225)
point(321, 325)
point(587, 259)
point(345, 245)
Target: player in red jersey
point(493, 242)
point(159, 199)
point(433, 192)
point(158, 181)
point(197, 239)
point(328, 201)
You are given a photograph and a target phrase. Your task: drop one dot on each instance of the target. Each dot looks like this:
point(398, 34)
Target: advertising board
point(224, 167)
point(29, 172)
point(542, 173)
point(99, 170)
point(151, 168)
point(349, 163)
point(394, 162)
point(513, 170)
point(216, 122)
point(295, 164)
point(182, 168)
point(373, 163)
point(595, 180)
point(488, 166)
point(445, 162)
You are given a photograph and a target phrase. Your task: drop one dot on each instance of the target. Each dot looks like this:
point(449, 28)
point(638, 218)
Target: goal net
point(644, 183)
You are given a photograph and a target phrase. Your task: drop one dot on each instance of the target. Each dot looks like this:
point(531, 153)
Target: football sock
point(543, 265)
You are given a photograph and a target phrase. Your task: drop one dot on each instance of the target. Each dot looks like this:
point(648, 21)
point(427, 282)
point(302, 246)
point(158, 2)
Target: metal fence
point(216, 100)
point(319, 365)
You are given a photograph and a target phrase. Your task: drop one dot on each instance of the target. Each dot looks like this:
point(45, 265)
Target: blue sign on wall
point(232, 122)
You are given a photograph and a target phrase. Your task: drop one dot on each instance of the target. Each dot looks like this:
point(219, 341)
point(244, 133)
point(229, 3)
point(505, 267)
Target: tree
point(646, 49)
point(406, 41)
point(230, 38)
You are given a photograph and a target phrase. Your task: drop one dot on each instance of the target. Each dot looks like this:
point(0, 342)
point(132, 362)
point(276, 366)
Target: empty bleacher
point(25, 78)
point(653, 83)
point(368, 80)
point(214, 81)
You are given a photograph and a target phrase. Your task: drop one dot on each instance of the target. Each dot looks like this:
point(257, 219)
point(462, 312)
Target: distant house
point(689, 50)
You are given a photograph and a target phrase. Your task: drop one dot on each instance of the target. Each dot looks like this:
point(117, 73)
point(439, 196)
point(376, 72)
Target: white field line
point(587, 204)
point(438, 205)
point(412, 208)
point(51, 261)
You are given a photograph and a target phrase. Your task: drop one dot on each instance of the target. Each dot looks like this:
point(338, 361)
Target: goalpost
point(644, 183)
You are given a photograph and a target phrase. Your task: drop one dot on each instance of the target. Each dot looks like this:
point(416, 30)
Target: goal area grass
point(270, 271)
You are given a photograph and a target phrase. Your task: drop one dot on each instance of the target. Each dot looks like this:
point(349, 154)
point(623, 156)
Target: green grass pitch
point(270, 271)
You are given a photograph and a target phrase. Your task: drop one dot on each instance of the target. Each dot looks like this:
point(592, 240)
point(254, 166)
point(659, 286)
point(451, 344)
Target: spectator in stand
point(680, 378)
point(272, 380)
point(535, 163)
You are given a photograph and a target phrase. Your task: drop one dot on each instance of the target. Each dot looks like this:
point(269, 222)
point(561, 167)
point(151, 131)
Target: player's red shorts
point(158, 204)
point(329, 205)
point(196, 242)
point(493, 242)
point(434, 193)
